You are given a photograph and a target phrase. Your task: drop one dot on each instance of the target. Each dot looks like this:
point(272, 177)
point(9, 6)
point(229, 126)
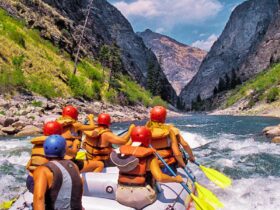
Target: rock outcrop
point(61, 21)
point(248, 45)
point(179, 62)
point(272, 132)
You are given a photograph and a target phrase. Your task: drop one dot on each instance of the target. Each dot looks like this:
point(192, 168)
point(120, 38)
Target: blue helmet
point(54, 146)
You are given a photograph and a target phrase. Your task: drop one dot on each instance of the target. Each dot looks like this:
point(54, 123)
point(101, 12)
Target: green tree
point(222, 85)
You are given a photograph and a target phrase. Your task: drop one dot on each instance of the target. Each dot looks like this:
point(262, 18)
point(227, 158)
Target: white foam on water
point(253, 193)
point(194, 140)
point(14, 144)
point(7, 188)
point(245, 147)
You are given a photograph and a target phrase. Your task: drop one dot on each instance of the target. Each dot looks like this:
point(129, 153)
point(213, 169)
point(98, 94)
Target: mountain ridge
point(61, 22)
point(222, 67)
point(179, 61)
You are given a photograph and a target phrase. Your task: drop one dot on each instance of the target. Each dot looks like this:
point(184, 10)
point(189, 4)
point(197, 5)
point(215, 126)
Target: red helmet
point(52, 128)
point(158, 114)
point(141, 134)
point(70, 111)
point(104, 119)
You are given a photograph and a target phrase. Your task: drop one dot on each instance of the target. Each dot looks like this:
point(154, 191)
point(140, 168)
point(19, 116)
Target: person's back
point(135, 189)
point(66, 188)
point(37, 153)
point(98, 142)
point(57, 183)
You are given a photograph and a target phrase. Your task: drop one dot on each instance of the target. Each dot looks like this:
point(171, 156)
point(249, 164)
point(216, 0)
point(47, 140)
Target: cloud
point(160, 30)
point(143, 8)
point(170, 12)
point(205, 44)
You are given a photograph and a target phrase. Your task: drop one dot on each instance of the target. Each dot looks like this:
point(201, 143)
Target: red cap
point(52, 128)
point(141, 134)
point(104, 119)
point(158, 114)
point(70, 111)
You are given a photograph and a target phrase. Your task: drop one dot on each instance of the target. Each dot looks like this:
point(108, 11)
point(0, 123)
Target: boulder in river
point(272, 132)
point(29, 130)
point(9, 130)
point(276, 139)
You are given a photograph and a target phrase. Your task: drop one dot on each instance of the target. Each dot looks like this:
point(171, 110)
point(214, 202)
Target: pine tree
point(221, 86)
point(215, 91)
point(227, 82)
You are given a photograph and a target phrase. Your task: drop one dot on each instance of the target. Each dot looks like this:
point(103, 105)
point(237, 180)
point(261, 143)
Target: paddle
point(200, 204)
point(81, 154)
point(7, 204)
point(213, 175)
point(204, 193)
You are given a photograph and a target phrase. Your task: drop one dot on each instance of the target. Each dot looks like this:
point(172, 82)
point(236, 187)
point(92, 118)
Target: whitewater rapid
point(251, 162)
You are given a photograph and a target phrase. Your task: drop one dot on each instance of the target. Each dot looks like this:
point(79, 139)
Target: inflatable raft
point(100, 188)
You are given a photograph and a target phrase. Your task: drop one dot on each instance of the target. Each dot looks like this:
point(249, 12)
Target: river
point(232, 145)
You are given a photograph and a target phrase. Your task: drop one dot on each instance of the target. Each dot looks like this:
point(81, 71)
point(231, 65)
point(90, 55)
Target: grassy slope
point(264, 88)
point(29, 62)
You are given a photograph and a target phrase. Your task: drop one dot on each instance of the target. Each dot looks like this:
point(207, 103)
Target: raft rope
point(81, 37)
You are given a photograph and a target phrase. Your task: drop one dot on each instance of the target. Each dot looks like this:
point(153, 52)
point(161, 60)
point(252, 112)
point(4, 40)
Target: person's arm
point(176, 150)
point(186, 147)
point(159, 176)
point(81, 127)
point(114, 139)
point(40, 187)
point(72, 151)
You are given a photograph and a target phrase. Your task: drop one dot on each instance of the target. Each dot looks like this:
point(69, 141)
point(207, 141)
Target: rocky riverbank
point(241, 109)
point(25, 115)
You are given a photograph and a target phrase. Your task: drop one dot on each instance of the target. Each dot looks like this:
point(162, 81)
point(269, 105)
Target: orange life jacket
point(136, 177)
point(37, 154)
point(163, 147)
point(96, 147)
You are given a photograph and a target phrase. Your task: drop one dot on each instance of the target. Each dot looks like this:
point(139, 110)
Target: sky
point(193, 22)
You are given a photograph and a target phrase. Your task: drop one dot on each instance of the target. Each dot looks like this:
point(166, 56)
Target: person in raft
point(57, 184)
point(166, 139)
point(138, 169)
point(37, 153)
point(72, 132)
point(98, 142)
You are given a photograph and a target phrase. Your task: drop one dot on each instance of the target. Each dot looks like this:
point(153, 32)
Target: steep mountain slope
point(257, 96)
point(243, 38)
point(62, 21)
point(179, 62)
point(30, 64)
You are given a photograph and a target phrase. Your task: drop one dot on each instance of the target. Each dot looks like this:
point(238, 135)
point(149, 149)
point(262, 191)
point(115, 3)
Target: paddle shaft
point(171, 171)
point(121, 133)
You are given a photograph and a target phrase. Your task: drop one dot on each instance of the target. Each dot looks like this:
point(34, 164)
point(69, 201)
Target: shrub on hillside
point(272, 95)
point(42, 86)
point(157, 101)
point(80, 88)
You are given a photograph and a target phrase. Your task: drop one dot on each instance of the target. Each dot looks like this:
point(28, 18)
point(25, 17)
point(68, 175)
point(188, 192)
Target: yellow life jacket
point(161, 140)
point(97, 148)
point(37, 154)
point(68, 130)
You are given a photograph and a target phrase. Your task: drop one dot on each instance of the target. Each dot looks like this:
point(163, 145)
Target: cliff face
point(61, 21)
point(246, 47)
point(179, 62)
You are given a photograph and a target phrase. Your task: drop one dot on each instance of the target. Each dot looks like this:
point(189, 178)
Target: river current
point(232, 145)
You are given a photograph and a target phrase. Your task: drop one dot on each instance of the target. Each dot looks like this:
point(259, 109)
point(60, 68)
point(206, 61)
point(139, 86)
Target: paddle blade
point(201, 204)
point(7, 204)
point(208, 196)
point(81, 155)
point(217, 177)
